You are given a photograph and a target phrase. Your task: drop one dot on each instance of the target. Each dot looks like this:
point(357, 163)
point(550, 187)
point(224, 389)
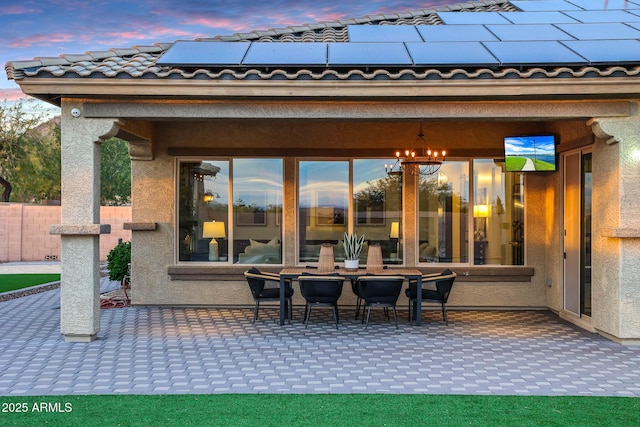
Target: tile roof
point(141, 61)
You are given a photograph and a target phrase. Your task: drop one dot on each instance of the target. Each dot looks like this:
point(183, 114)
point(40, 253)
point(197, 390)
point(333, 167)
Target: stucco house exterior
point(283, 136)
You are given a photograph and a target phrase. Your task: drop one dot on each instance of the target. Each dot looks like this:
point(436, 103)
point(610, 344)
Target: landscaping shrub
point(118, 261)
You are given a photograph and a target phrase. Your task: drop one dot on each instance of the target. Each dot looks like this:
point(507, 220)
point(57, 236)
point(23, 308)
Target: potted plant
point(352, 247)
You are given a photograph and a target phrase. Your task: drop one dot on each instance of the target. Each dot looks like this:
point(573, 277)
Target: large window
point(471, 202)
point(230, 211)
point(355, 196)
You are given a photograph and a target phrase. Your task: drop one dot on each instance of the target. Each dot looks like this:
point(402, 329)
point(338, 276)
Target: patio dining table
point(292, 273)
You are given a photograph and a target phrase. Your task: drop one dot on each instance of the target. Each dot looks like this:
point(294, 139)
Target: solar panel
point(546, 32)
point(455, 33)
point(198, 54)
point(533, 52)
point(346, 54)
point(600, 4)
point(286, 53)
point(626, 51)
point(544, 5)
point(605, 31)
point(472, 18)
point(383, 33)
point(537, 17)
point(601, 16)
point(450, 53)
point(516, 32)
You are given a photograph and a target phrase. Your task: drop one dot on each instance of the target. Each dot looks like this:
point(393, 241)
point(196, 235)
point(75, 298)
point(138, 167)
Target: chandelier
point(417, 161)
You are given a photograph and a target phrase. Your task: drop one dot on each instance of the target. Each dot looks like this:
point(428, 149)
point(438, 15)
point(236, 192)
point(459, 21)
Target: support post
point(616, 229)
point(80, 228)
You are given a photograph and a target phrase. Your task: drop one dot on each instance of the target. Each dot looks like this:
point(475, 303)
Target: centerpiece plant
point(352, 248)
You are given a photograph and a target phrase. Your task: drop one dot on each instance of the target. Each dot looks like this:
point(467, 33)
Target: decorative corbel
point(596, 127)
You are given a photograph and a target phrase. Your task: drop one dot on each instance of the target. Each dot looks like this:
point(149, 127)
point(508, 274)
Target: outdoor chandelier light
point(417, 161)
point(209, 196)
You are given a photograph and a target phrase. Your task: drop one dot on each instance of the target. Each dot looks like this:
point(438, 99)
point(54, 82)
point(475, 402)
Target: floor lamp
point(213, 230)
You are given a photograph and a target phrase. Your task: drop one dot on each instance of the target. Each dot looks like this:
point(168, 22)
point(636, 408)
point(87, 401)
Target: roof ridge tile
point(150, 48)
point(101, 54)
point(124, 51)
point(52, 60)
point(76, 57)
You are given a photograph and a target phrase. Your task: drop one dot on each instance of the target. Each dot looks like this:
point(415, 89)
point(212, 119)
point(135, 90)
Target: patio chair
point(437, 291)
point(262, 289)
point(374, 264)
point(379, 291)
point(321, 291)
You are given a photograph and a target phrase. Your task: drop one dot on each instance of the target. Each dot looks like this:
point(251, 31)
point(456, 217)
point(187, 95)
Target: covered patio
point(282, 149)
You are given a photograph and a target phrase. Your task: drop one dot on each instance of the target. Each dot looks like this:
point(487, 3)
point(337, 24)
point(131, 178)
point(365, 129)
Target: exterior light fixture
point(209, 196)
point(417, 161)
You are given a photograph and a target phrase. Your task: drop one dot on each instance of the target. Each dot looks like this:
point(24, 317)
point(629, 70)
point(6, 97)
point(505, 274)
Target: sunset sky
point(32, 28)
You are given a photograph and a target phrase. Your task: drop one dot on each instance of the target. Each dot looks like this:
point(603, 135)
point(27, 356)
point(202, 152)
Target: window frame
point(230, 214)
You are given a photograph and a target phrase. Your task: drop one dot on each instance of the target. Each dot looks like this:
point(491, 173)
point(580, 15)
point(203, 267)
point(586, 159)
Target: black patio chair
point(379, 291)
point(437, 291)
point(263, 289)
point(321, 291)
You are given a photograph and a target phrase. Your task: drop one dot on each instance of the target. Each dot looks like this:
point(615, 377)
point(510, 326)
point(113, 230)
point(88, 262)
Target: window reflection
point(442, 217)
point(498, 214)
point(252, 223)
point(257, 211)
point(468, 212)
point(203, 197)
point(322, 207)
point(494, 211)
point(377, 206)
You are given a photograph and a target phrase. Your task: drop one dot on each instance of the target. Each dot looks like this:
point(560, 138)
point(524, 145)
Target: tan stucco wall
point(606, 259)
point(154, 192)
point(25, 231)
point(617, 229)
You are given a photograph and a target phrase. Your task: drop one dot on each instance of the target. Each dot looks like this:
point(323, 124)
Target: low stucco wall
point(518, 295)
point(24, 231)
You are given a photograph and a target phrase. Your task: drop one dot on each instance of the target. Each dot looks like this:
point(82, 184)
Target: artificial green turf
point(13, 282)
point(320, 410)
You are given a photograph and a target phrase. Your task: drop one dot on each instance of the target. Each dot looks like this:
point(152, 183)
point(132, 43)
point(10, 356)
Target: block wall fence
point(24, 231)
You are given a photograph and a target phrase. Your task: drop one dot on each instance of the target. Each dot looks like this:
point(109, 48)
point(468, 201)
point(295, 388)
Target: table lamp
point(395, 230)
point(213, 230)
point(394, 233)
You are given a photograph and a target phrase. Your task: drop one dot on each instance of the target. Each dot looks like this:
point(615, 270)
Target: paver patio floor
point(158, 350)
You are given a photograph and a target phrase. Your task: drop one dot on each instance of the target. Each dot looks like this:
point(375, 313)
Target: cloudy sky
point(32, 28)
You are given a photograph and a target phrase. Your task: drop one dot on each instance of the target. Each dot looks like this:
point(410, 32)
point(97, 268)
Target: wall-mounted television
point(530, 153)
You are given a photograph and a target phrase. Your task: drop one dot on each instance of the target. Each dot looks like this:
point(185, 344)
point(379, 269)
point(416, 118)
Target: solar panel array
point(544, 32)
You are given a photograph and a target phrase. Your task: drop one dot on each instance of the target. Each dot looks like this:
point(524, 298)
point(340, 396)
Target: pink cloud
point(12, 95)
point(144, 36)
point(42, 40)
point(210, 22)
point(17, 10)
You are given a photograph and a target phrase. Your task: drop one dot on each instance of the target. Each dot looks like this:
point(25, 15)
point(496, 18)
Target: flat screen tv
point(530, 153)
